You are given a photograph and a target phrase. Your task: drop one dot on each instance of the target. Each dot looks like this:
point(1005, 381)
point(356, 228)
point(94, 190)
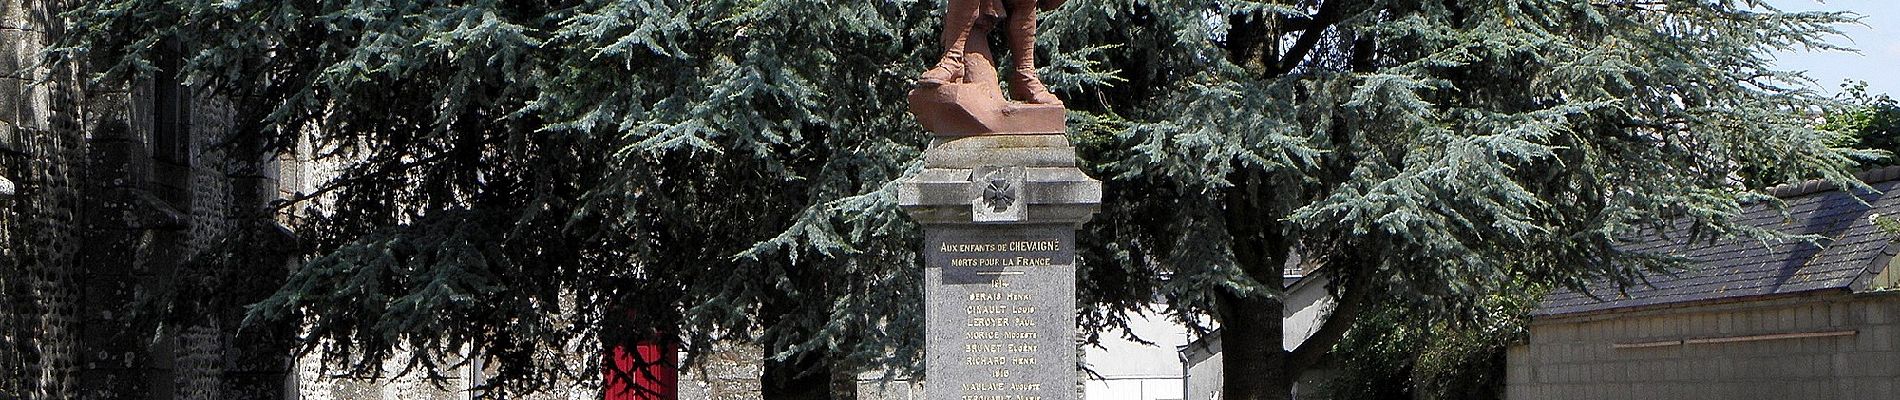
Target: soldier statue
point(966, 52)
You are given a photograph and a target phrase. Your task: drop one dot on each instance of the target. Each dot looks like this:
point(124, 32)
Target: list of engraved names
point(1014, 295)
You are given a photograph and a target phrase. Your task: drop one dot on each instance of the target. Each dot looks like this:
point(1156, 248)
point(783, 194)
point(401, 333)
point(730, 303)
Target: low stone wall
point(1836, 346)
point(730, 372)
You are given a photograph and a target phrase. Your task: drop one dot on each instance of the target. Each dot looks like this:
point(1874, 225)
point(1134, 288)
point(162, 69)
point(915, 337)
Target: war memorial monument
point(1000, 198)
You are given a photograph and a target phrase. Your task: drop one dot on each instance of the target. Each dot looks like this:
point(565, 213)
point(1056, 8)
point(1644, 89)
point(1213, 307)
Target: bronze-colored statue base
point(964, 109)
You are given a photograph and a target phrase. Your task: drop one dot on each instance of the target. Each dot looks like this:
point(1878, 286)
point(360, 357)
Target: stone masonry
point(41, 146)
point(1851, 351)
point(115, 258)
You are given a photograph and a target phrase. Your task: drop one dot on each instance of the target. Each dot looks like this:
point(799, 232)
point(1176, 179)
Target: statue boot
point(1024, 86)
point(948, 70)
point(960, 19)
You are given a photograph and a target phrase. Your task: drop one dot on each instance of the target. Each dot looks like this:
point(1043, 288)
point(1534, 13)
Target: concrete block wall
point(1579, 357)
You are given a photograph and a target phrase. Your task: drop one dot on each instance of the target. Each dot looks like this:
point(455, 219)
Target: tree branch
point(279, 205)
point(1345, 311)
point(1364, 48)
point(1327, 15)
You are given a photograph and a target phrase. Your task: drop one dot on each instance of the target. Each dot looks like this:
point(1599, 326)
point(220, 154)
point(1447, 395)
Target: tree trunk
point(802, 377)
point(844, 382)
point(1253, 361)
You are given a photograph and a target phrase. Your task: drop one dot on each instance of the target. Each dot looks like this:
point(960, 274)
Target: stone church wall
point(112, 280)
point(42, 150)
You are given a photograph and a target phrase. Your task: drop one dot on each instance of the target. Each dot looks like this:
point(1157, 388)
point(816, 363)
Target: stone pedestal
point(999, 215)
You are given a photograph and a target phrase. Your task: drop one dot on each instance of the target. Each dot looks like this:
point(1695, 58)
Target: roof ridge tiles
point(1735, 267)
point(1811, 186)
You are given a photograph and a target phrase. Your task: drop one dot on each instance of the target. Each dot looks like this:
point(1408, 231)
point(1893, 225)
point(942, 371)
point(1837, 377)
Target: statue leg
point(1024, 86)
point(959, 16)
point(979, 63)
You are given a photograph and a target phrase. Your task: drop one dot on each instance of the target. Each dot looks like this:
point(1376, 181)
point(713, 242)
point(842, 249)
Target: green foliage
point(1886, 223)
point(1420, 152)
point(728, 162)
point(514, 176)
point(1445, 139)
point(1868, 121)
point(1863, 122)
point(1391, 354)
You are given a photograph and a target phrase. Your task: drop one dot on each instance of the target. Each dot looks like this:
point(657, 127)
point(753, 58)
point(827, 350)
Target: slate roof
point(1735, 268)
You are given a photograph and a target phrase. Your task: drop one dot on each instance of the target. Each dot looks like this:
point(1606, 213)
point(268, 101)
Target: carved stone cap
point(1041, 186)
point(1000, 150)
point(982, 179)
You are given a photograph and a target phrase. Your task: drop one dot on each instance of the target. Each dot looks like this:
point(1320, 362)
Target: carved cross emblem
point(998, 193)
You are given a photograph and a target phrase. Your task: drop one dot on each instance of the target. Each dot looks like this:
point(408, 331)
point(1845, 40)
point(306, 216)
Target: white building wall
point(1134, 389)
point(1135, 371)
point(1306, 306)
point(1204, 371)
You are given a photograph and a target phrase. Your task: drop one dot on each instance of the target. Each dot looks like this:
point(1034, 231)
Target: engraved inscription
point(1001, 312)
point(1002, 254)
point(1020, 245)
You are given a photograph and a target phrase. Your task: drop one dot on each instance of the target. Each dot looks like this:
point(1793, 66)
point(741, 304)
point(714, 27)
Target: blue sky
point(1878, 62)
